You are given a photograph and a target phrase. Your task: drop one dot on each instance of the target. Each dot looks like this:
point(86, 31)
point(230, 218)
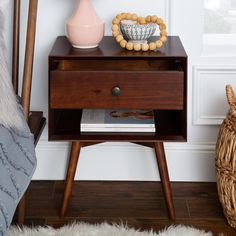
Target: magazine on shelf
point(117, 120)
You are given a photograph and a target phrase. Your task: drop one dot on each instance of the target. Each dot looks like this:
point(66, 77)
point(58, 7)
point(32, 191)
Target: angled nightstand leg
point(163, 169)
point(21, 210)
point(71, 169)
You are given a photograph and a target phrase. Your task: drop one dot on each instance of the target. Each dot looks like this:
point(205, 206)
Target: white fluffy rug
point(83, 229)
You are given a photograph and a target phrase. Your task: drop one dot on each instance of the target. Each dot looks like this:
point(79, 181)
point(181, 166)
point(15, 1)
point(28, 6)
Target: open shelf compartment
point(65, 125)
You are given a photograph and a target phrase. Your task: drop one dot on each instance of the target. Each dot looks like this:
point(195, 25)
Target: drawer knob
point(116, 91)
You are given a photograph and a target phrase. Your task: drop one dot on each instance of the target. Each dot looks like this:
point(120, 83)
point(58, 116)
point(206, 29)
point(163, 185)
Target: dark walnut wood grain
point(137, 204)
point(36, 124)
point(163, 170)
point(108, 49)
point(74, 157)
point(93, 89)
point(111, 77)
point(84, 79)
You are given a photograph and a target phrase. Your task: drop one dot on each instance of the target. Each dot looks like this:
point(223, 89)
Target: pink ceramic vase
point(84, 28)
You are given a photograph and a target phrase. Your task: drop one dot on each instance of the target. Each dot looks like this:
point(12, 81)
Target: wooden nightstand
point(146, 80)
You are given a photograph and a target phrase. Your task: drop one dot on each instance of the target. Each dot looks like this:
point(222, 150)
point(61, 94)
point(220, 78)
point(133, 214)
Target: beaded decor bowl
point(137, 33)
point(132, 31)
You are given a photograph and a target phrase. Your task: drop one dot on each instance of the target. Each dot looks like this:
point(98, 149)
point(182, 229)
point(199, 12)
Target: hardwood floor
point(139, 204)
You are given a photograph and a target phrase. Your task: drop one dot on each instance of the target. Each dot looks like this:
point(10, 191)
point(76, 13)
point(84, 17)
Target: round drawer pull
point(116, 91)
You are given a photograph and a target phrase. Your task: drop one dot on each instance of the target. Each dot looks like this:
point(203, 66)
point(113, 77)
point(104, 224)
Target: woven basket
point(226, 161)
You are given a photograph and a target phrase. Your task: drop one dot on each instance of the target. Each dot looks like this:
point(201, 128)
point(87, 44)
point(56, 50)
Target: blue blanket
point(17, 165)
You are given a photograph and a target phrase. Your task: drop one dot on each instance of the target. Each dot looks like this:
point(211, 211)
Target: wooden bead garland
point(142, 21)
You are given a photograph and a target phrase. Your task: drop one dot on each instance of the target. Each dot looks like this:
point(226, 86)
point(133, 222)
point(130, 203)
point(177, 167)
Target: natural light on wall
point(219, 37)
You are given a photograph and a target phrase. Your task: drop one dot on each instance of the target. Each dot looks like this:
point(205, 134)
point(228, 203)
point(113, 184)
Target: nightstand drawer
point(117, 89)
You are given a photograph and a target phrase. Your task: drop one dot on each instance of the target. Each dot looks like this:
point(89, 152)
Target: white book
point(119, 129)
point(117, 120)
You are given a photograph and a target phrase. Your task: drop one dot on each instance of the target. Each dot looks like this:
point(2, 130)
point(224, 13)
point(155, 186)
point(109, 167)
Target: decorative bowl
point(136, 33)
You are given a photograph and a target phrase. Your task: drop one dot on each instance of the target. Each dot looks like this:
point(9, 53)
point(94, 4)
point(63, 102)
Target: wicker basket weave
point(226, 161)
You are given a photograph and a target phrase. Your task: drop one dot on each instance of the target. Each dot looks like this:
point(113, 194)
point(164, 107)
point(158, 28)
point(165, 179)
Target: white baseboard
point(126, 161)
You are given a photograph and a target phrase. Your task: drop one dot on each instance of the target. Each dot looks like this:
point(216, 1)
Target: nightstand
point(90, 78)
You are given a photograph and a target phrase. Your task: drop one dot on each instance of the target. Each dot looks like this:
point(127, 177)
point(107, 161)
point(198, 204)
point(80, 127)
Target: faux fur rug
point(83, 229)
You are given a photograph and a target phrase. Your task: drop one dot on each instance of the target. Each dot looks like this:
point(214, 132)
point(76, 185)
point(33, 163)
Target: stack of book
point(117, 120)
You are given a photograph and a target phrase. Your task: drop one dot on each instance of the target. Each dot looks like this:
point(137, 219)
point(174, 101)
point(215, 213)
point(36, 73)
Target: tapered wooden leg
point(162, 165)
point(74, 157)
point(21, 210)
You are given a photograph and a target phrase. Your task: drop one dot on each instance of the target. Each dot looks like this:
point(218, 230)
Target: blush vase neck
point(84, 28)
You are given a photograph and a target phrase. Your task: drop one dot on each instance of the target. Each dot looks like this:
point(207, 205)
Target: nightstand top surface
point(62, 49)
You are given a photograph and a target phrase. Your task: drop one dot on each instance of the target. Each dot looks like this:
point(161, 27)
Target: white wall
point(192, 161)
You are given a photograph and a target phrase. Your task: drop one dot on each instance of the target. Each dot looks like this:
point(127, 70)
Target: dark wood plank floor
point(139, 204)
